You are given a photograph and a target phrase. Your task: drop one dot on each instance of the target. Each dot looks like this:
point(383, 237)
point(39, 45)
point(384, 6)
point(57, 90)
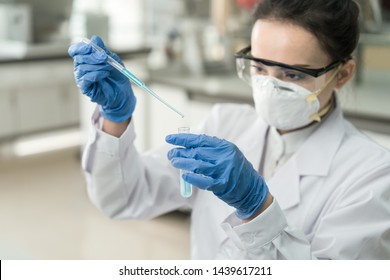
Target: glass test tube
point(185, 188)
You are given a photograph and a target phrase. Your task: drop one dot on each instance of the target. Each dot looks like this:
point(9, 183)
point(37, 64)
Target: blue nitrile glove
point(220, 167)
point(101, 82)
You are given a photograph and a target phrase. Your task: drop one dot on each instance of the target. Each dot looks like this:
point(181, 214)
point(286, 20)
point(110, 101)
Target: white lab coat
point(331, 198)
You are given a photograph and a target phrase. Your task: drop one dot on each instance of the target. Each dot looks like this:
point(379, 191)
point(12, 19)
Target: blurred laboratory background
point(183, 49)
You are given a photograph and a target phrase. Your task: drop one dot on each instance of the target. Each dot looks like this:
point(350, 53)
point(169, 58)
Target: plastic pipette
point(131, 76)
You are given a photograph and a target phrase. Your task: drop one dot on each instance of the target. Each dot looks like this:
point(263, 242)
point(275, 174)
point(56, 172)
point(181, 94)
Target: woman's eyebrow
point(292, 65)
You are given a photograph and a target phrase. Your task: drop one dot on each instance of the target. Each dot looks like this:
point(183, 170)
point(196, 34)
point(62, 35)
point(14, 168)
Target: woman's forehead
point(287, 43)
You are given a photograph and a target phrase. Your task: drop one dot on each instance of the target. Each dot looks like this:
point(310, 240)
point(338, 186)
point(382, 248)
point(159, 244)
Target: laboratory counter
point(58, 52)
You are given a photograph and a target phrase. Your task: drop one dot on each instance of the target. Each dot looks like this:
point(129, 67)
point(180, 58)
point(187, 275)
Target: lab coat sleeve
point(126, 185)
point(268, 236)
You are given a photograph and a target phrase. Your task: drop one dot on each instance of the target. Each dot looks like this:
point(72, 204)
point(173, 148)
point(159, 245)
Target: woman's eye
point(256, 69)
point(294, 76)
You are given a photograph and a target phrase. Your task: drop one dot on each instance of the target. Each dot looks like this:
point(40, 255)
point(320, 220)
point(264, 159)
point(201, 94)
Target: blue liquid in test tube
point(185, 187)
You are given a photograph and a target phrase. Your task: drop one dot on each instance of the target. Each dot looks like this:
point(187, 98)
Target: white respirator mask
point(284, 105)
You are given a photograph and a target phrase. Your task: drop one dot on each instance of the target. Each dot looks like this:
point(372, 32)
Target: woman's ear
point(346, 73)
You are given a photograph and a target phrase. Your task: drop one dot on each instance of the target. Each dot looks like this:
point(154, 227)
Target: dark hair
point(335, 23)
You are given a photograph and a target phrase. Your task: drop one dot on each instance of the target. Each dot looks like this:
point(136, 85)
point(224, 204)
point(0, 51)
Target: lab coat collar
point(314, 158)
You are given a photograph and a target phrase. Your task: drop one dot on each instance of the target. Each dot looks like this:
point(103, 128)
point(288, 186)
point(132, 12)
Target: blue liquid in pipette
point(185, 187)
point(133, 78)
point(142, 85)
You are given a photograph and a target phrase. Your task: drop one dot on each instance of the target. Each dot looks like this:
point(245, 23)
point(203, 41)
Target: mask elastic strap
point(312, 97)
point(317, 117)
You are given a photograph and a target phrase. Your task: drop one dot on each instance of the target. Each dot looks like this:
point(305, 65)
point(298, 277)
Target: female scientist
point(287, 179)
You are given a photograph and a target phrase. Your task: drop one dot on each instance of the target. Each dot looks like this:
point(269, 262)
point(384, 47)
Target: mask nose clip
point(273, 83)
point(267, 82)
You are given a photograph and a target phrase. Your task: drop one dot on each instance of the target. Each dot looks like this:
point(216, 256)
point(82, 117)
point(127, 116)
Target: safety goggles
point(248, 65)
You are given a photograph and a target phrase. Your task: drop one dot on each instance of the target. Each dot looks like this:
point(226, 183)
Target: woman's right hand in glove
point(101, 82)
